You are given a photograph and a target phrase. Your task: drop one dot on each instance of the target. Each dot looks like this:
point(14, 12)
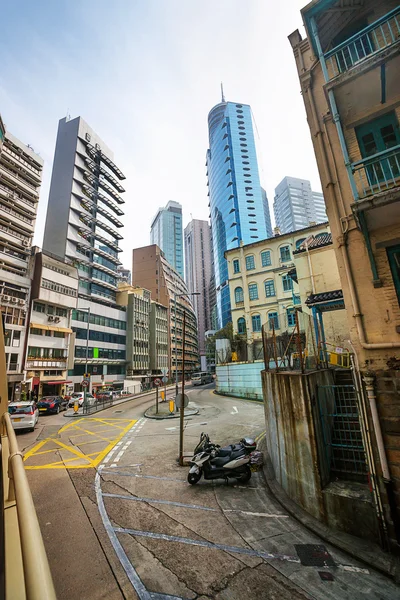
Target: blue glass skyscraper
point(237, 206)
point(167, 232)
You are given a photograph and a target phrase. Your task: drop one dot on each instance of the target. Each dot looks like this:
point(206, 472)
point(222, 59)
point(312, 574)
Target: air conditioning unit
point(25, 243)
point(57, 319)
point(50, 317)
point(14, 300)
point(21, 302)
point(6, 298)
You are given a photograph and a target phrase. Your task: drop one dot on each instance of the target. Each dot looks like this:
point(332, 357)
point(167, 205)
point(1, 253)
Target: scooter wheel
point(245, 476)
point(193, 478)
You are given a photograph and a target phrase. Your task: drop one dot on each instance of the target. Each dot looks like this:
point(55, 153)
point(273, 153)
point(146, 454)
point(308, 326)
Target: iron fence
point(341, 433)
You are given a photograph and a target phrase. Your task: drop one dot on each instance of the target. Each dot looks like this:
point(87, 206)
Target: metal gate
point(341, 433)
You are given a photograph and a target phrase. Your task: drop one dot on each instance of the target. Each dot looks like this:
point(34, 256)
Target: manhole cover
point(313, 555)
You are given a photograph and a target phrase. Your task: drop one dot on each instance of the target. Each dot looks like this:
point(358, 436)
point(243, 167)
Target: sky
point(144, 74)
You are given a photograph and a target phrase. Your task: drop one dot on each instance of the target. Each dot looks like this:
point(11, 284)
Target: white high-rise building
point(20, 179)
point(198, 276)
point(296, 206)
point(82, 225)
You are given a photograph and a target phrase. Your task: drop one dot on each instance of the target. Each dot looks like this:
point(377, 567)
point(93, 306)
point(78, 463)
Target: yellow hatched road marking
point(121, 426)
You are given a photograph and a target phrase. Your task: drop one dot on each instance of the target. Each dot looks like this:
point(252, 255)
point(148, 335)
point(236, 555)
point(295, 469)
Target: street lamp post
point(176, 342)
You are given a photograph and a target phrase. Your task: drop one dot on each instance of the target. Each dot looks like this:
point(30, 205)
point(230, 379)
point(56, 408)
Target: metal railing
point(377, 173)
point(372, 39)
point(26, 568)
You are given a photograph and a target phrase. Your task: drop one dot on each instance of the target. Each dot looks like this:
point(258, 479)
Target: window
point(61, 312)
point(285, 253)
point(273, 320)
point(241, 325)
point(299, 243)
point(37, 307)
point(265, 258)
point(250, 263)
point(50, 309)
point(287, 283)
point(236, 266)
point(253, 291)
point(16, 339)
point(238, 295)
point(256, 322)
point(291, 317)
point(269, 288)
point(59, 334)
point(394, 261)
point(36, 331)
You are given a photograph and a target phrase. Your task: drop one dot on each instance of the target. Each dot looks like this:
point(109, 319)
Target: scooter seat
point(227, 450)
point(220, 461)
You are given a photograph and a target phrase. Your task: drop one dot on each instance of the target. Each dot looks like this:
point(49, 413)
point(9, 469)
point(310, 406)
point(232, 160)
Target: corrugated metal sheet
point(242, 380)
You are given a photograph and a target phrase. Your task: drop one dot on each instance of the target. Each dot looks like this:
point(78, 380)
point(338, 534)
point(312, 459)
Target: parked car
point(23, 415)
point(80, 397)
point(201, 378)
point(52, 404)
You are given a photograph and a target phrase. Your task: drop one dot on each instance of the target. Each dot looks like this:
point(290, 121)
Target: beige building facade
point(349, 67)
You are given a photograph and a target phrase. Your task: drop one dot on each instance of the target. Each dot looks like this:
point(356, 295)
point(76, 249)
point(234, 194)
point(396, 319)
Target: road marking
point(146, 476)
point(234, 411)
point(255, 514)
point(72, 455)
point(156, 501)
point(204, 544)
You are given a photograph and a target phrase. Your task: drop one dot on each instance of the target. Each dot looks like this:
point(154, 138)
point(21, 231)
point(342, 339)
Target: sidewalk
point(71, 414)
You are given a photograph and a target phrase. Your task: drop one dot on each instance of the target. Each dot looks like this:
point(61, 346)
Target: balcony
point(368, 42)
point(46, 363)
point(377, 173)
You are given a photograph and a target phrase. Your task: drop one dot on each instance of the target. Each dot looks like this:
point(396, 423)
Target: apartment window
point(291, 317)
point(299, 243)
point(285, 253)
point(236, 266)
point(273, 320)
point(287, 283)
point(250, 263)
point(238, 295)
point(36, 331)
point(241, 325)
point(61, 312)
point(256, 322)
point(253, 291)
point(16, 339)
point(266, 258)
point(394, 261)
point(40, 308)
point(269, 288)
point(59, 334)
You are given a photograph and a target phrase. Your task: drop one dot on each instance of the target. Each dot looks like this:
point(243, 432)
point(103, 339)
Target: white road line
point(255, 514)
point(118, 457)
point(234, 411)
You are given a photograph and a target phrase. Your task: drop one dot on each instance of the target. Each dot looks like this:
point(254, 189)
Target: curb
point(188, 413)
point(217, 393)
point(370, 554)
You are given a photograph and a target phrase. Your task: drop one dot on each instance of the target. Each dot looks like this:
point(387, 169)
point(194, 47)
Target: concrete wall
point(295, 450)
point(240, 379)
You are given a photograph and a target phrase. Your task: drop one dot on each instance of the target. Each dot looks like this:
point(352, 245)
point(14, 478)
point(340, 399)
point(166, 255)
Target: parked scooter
point(221, 463)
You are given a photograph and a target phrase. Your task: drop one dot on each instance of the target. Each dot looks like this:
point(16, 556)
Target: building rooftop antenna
point(222, 92)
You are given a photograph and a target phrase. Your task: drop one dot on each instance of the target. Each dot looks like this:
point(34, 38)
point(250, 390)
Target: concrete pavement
point(153, 536)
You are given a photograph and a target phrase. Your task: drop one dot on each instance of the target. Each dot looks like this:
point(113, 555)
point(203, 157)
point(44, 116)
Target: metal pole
point(298, 342)
point(176, 354)
point(182, 411)
point(156, 399)
point(86, 362)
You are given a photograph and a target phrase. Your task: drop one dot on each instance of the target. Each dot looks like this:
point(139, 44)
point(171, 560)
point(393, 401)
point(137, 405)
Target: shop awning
point(50, 327)
point(56, 382)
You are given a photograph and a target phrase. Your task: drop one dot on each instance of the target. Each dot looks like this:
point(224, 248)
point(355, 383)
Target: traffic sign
point(85, 383)
point(157, 382)
point(178, 400)
point(164, 379)
point(164, 371)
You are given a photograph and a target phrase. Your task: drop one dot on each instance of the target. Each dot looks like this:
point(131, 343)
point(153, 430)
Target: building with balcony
point(159, 349)
point(348, 68)
point(264, 287)
point(53, 297)
point(151, 270)
point(236, 202)
point(296, 206)
point(198, 277)
point(20, 179)
point(137, 302)
point(167, 232)
point(83, 225)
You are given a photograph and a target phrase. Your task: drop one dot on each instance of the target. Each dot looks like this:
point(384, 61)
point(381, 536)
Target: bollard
point(76, 406)
point(171, 406)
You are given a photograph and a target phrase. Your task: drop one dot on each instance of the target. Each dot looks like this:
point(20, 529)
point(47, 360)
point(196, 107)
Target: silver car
point(24, 415)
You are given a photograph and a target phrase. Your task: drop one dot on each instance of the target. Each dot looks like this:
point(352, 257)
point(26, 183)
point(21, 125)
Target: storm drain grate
point(313, 555)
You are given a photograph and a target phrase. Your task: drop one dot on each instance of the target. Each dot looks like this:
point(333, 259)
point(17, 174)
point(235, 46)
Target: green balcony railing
point(377, 173)
point(372, 39)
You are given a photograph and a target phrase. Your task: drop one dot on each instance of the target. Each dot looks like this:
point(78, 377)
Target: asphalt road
point(120, 521)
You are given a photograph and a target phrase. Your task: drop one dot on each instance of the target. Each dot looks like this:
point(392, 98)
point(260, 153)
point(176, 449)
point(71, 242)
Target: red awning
point(55, 382)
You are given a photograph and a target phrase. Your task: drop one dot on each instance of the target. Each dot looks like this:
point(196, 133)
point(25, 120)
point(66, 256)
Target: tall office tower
point(198, 277)
point(166, 233)
point(151, 270)
point(267, 213)
point(124, 275)
point(296, 206)
point(20, 180)
point(236, 202)
point(82, 226)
